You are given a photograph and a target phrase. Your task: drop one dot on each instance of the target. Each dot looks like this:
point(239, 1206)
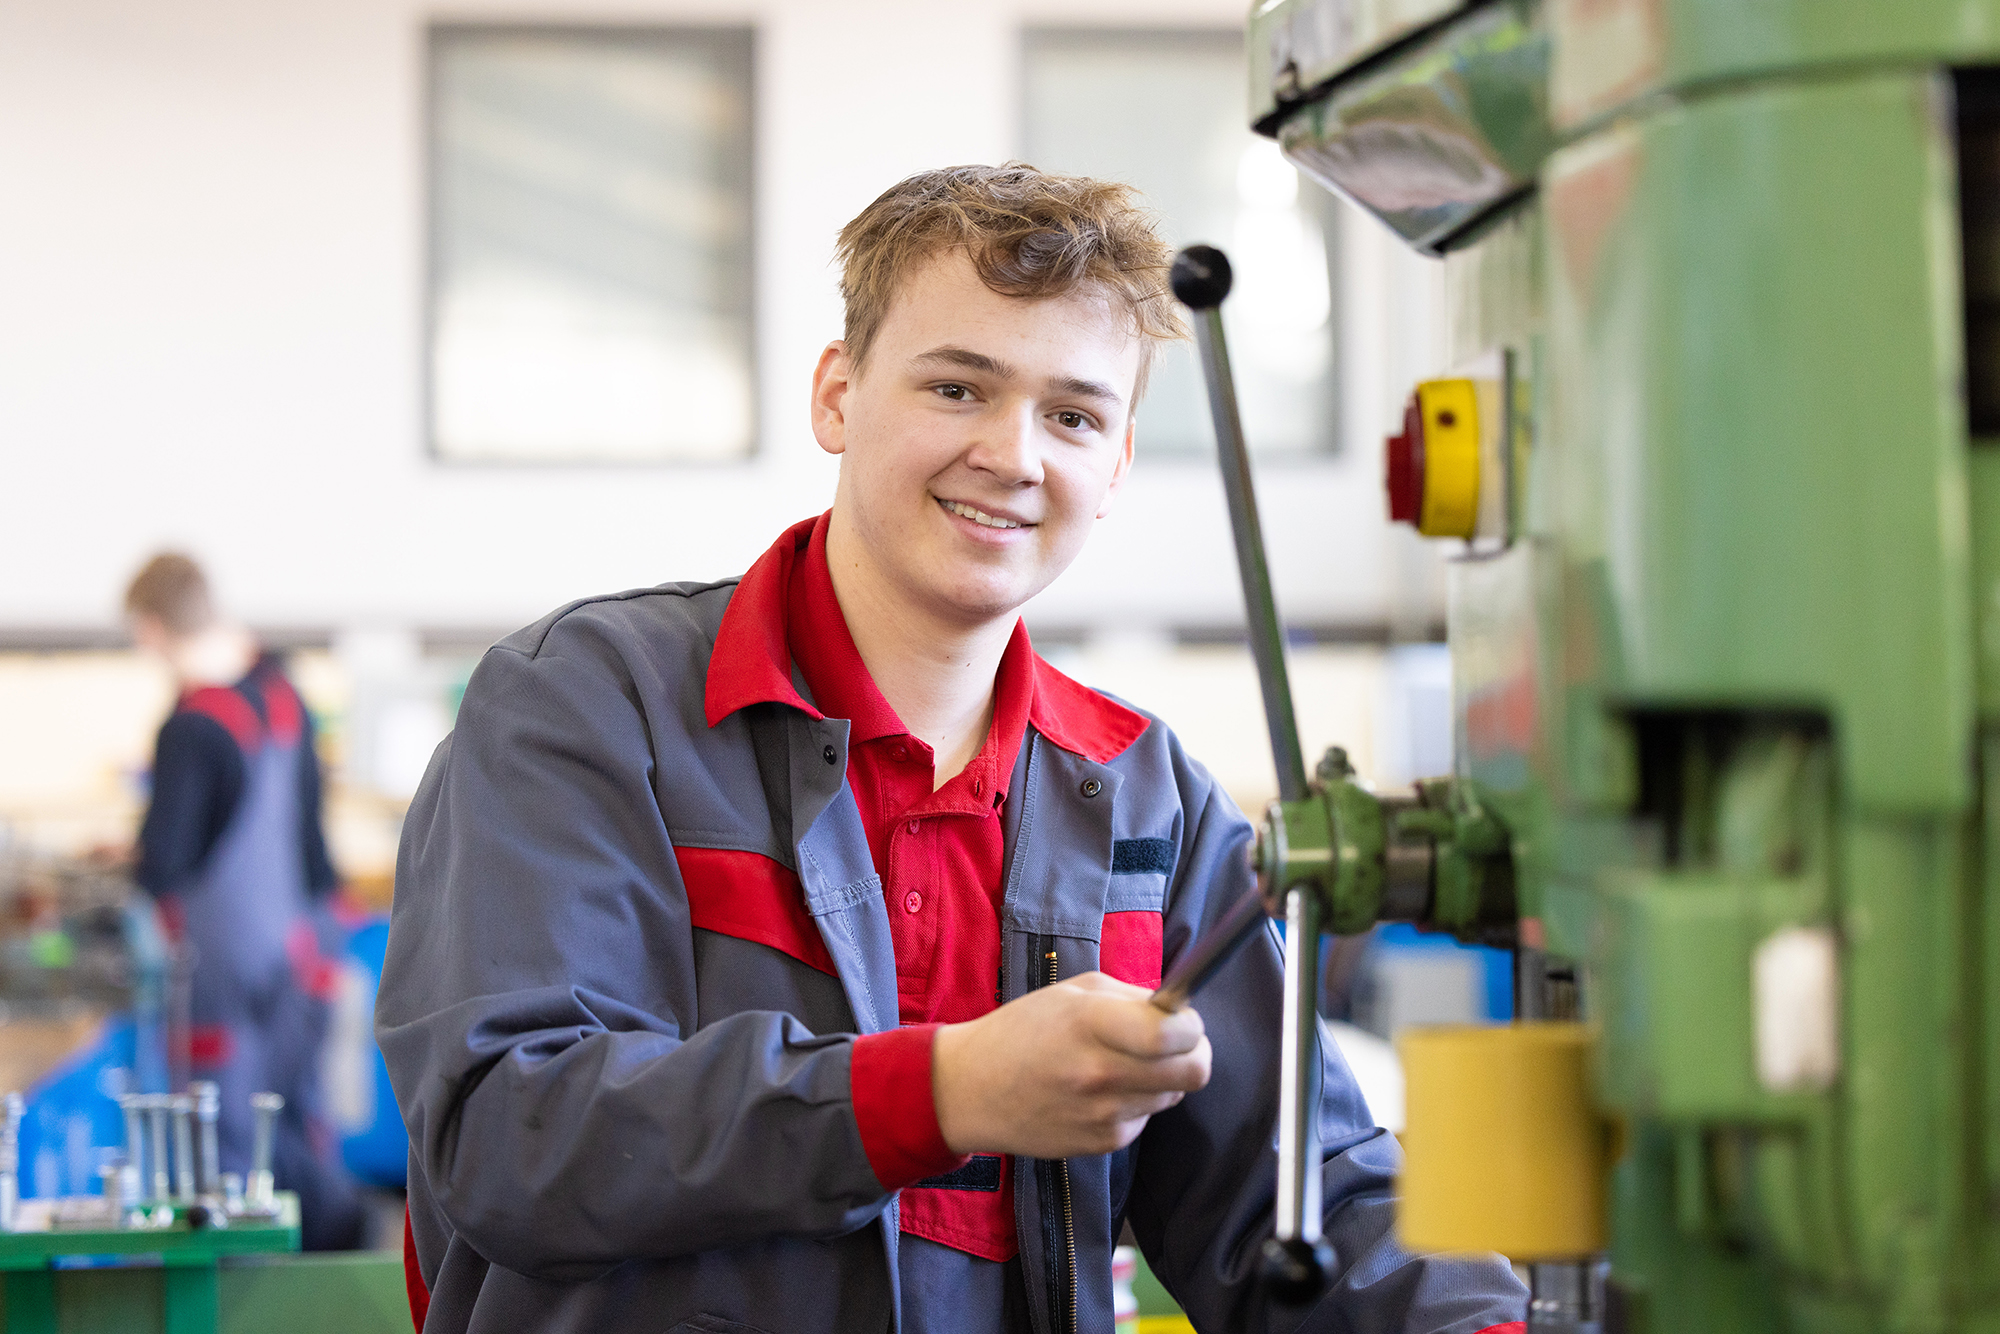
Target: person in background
point(233, 848)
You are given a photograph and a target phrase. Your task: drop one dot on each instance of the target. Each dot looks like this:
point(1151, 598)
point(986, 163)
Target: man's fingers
point(1174, 1074)
point(1106, 984)
point(1136, 1028)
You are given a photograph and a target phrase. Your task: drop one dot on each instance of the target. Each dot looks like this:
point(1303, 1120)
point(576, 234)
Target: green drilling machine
point(1717, 450)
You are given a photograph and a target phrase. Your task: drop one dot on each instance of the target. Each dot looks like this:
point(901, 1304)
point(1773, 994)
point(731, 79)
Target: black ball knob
point(1200, 277)
point(197, 1216)
point(1295, 1271)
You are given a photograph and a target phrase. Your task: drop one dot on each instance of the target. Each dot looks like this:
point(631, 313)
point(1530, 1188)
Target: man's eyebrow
point(966, 359)
point(1096, 389)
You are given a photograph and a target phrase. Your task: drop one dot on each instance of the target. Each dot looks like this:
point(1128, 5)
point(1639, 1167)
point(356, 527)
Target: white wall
point(210, 307)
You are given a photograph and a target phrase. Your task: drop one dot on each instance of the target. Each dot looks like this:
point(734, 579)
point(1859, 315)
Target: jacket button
point(1091, 787)
point(830, 754)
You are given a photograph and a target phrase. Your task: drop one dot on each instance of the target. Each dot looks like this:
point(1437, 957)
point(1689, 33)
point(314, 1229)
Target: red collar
point(752, 659)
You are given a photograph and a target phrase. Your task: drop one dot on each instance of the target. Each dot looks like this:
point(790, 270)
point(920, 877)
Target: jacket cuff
point(889, 1080)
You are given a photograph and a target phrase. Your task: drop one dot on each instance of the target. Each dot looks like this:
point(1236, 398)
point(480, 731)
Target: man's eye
point(1072, 421)
point(957, 393)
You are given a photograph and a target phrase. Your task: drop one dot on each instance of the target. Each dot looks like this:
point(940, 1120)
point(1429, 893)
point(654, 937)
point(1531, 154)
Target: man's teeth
point(980, 517)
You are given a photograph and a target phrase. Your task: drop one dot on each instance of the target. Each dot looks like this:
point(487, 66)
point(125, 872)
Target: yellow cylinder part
point(1503, 1150)
point(1450, 410)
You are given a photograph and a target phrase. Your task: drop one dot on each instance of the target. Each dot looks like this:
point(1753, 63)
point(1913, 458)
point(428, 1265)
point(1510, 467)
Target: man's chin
point(976, 603)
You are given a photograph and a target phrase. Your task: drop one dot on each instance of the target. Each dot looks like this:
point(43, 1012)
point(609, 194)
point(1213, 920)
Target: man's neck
point(937, 675)
point(218, 656)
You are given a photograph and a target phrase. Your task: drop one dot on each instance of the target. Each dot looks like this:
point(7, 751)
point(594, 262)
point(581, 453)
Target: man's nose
point(1010, 447)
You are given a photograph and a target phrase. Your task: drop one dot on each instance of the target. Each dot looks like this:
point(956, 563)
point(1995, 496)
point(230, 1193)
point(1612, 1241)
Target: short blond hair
point(1028, 233)
point(172, 589)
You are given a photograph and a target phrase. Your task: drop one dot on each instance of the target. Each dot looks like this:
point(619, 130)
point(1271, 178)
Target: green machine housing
point(1729, 673)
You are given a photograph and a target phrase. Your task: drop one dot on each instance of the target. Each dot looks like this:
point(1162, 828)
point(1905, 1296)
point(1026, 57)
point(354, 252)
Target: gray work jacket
point(622, 1122)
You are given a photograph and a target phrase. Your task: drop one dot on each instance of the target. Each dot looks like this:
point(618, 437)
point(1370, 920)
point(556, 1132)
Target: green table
point(186, 1258)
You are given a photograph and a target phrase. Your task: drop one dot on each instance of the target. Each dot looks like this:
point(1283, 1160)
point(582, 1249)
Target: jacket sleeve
point(1203, 1191)
point(537, 1009)
point(198, 776)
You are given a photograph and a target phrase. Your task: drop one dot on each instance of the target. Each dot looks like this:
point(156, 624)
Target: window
point(590, 245)
point(1165, 111)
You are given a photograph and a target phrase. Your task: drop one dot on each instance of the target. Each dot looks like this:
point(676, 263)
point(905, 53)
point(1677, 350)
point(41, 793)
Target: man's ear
point(1124, 466)
point(831, 379)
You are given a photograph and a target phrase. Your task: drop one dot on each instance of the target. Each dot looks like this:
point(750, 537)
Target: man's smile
point(981, 517)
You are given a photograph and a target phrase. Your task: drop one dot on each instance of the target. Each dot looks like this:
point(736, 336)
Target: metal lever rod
point(1298, 1205)
point(1201, 279)
point(1295, 1260)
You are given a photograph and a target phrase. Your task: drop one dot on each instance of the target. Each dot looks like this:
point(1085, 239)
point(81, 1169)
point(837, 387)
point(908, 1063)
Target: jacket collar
point(751, 663)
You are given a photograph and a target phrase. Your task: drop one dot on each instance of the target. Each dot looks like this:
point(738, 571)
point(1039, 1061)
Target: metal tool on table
point(266, 1106)
point(10, 1160)
point(181, 1107)
point(156, 1107)
point(208, 1110)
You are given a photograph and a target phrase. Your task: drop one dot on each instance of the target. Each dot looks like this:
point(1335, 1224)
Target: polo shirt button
point(830, 754)
point(913, 827)
point(1091, 787)
point(901, 752)
point(912, 901)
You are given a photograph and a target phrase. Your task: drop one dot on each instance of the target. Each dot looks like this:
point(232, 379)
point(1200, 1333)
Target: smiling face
point(980, 439)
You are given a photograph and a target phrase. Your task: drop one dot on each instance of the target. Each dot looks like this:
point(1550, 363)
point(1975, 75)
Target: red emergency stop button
point(1406, 467)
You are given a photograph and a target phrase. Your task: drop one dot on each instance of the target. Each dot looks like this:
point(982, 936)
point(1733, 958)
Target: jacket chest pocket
point(1129, 942)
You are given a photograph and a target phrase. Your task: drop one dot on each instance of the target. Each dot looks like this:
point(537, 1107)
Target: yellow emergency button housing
point(1433, 466)
point(1450, 410)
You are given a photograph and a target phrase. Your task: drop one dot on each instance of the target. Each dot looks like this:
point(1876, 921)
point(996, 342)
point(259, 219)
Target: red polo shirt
point(940, 855)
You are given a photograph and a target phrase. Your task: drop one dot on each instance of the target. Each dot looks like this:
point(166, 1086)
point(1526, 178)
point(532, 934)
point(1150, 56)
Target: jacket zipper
point(1062, 1263)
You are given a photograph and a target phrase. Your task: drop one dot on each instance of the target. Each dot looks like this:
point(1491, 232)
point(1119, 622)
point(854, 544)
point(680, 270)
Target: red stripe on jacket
point(1130, 947)
point(413, 1277)
point(225, 706)
point(282, 707)
point(751, 897)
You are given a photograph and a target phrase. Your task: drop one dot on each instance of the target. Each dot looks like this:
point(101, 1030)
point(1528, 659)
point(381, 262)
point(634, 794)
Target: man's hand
point(1067, 1070)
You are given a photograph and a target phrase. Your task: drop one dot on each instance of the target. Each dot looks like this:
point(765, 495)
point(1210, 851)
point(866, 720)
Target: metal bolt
point(156, 1144)
point(232, 1192)
point(207, 1109)
point(10, 1160)
point(182, 1107)
point(266, 1106)
point(131, 1176)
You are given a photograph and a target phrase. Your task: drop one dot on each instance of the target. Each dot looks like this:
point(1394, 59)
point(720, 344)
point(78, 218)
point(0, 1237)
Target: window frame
point(436, 35)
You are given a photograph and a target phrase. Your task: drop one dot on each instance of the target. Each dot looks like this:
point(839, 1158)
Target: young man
point(773, 955)
point(233, 847)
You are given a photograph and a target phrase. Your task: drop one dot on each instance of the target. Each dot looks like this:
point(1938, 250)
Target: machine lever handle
point(1201, 279)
